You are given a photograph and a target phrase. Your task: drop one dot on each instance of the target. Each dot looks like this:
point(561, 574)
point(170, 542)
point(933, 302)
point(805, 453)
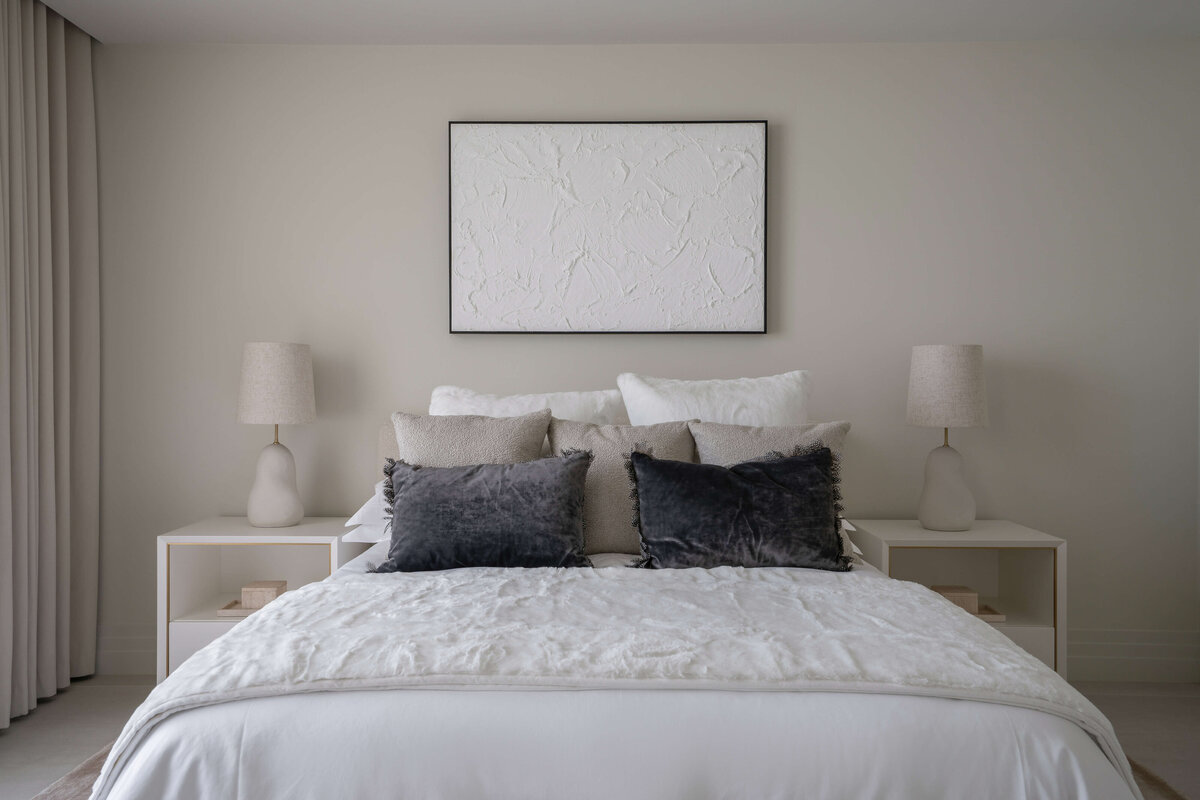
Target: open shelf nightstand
point(1020, 572)
point(203, 566)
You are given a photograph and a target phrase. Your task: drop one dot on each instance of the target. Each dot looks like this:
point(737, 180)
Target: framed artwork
point(608, 227)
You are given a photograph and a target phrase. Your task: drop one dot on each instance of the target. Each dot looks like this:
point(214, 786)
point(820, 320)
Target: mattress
point(645, 742)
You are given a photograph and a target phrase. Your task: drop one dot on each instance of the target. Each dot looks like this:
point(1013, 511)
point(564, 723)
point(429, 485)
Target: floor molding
point(126, 650)
point(1133, 655)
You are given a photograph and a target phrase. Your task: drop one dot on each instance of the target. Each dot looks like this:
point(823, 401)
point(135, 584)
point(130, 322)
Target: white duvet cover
point(614, 683)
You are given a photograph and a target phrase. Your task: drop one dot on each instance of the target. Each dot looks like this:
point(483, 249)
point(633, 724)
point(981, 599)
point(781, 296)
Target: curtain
point(49, 357)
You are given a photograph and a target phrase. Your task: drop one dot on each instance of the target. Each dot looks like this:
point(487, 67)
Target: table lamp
point(946, 390)
point(276, 389)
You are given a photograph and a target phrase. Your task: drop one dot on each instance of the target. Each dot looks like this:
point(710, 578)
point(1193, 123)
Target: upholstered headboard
point(386, 447)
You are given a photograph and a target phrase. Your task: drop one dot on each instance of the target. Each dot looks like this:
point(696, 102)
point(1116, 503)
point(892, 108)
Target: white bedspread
point(728, 629)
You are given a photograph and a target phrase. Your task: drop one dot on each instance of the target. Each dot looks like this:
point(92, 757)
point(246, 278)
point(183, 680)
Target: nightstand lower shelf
point(204, 566)
point(1018, 571)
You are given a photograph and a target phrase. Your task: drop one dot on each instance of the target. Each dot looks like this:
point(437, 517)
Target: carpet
point(77, 784)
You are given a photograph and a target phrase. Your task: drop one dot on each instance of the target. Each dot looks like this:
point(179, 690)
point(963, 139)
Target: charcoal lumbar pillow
point(770, 513)
point(488, 515)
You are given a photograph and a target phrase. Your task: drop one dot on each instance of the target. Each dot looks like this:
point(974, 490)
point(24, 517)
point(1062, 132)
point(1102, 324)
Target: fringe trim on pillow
point(645, 560)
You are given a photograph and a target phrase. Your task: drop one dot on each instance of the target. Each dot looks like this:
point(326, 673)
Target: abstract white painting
point(608, 227)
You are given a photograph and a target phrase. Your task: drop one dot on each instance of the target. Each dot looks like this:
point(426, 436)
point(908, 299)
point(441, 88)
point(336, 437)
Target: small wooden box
point(962, 596)
point(259, 593)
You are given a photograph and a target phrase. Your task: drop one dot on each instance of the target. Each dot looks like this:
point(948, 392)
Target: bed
point(610, 682)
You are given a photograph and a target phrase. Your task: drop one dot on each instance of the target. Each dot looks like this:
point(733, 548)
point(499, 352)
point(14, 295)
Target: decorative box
point(259, 593)
point(962, 596)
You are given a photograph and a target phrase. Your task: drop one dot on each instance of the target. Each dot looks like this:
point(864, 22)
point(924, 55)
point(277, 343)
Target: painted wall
point(1042, 200)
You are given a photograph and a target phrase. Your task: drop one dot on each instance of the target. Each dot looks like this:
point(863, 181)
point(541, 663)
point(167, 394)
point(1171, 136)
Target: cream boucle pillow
point(732, 444)
point(460, 441)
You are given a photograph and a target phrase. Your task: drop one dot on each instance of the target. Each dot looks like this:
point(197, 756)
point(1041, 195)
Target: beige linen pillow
point(732, 444)
point(608, 524)
point(460, 441)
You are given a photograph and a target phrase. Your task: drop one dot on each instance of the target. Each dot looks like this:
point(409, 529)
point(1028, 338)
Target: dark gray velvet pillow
point(489, 515)
point(772, 513)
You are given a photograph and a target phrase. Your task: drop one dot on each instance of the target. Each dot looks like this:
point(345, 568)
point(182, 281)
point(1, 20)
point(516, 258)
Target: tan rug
point(77, 784)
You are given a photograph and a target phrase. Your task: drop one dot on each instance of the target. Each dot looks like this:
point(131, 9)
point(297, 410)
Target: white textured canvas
point(585, 227)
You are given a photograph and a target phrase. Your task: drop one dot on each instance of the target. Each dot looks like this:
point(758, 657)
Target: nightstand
point(203, 566)
point(1020, 572)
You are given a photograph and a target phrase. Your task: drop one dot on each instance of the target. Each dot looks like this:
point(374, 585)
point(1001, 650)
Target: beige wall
point(1043, 200)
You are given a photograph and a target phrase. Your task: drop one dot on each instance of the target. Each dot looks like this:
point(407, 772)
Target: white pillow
point(372, 520)
point(774, 400)
point(369, 533)
point(603, 407)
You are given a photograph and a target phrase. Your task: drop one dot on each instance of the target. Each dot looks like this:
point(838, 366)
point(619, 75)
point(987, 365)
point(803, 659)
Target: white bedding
point(673, 683)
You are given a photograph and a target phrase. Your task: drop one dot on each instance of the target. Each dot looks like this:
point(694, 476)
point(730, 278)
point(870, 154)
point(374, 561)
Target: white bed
point(657, 728)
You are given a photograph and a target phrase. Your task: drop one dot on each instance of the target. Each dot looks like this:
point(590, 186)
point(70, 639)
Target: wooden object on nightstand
point(1019, 573)
point(258, 593)
point(203, 567)
point(962, 596)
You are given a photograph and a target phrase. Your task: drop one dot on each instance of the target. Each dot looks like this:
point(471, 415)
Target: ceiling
point(626, 21)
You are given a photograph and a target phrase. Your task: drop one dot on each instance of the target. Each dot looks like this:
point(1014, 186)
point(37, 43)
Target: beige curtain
point(49, 357)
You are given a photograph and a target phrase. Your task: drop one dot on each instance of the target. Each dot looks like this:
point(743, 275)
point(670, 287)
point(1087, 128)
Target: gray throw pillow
point(772, 513)
point(732, 444)
point(487, 515)
point(464, 440)
point(609, 523)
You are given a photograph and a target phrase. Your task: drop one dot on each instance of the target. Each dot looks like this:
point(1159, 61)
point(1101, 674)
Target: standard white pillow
point(603, 407)
point(372, 520)
point(369, 533)
point(774, 400)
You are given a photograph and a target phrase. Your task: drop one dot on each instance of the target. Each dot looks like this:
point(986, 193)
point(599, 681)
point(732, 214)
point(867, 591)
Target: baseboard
point(126, 650)
point(1133, 655)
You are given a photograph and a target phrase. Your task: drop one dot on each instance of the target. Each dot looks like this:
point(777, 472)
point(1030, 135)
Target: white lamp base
point(274, 499)
point(946, 502)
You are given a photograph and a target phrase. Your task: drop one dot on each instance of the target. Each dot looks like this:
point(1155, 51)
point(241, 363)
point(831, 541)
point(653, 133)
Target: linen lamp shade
point(277, 389)
point(277, 384)
point(946, 390)
point(946, 387)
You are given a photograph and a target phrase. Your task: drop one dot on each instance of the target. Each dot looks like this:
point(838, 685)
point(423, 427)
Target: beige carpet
point(77, 784)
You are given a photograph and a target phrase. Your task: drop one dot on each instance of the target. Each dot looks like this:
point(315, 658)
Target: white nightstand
point(1018, 571)
point(203, 566)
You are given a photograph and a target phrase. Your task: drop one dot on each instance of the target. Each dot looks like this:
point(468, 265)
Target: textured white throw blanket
point(723, 629)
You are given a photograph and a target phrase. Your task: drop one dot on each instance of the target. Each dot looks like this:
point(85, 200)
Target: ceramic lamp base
point(274, 499)
point(946, 502)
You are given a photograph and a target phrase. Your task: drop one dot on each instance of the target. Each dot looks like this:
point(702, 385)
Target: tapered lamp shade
point(946, 387)
point(946, 390)
point(277, 384)
point(277, 389)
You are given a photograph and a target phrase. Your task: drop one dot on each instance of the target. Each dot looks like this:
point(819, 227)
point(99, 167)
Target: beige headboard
point(387, 447)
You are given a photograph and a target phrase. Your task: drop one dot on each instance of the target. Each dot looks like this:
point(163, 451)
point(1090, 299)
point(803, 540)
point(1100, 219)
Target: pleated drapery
point(49, 357)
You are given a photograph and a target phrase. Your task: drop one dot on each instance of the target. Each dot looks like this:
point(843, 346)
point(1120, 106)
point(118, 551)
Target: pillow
point(370, 522)
point(602, 407)
point(732, 444)
point(462, 440)
point(775, 513)
point(775, 400)
point(369, 533)
point(528, 514)
point(608, 505)
point(607, 560)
